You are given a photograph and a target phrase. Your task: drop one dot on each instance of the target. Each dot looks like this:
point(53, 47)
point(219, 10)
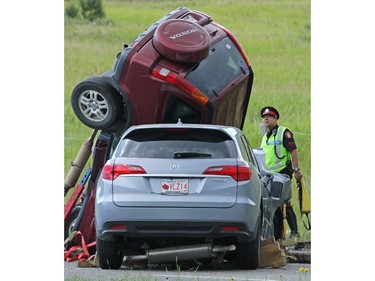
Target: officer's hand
point(298, 175)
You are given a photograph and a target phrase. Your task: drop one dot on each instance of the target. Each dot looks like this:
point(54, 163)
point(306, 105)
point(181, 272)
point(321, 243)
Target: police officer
point(281, 156)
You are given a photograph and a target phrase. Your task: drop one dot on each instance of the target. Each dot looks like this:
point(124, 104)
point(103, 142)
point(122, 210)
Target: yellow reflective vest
point(273, 145)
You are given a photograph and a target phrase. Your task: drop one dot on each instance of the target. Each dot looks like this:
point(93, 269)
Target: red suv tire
point(96, 103)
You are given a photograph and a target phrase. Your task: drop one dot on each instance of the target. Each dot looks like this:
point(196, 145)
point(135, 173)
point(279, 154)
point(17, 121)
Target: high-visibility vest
point(272, 145)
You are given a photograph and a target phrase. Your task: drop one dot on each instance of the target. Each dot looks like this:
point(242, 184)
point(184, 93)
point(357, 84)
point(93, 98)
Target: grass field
point(274, 33)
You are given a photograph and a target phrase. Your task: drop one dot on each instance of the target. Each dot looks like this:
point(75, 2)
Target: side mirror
point(276, 190)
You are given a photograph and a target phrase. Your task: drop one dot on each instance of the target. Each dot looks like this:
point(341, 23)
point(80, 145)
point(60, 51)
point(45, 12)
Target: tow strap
point(304, 202)
point(77, 252)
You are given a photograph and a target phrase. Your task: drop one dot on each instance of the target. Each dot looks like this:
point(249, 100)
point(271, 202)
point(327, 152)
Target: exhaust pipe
point(79, 163)
point(184, 253)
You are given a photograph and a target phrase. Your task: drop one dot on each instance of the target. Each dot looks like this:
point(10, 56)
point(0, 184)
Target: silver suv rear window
point(177, 143)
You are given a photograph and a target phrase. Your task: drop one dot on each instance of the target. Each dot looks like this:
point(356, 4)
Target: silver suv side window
point(249, 152)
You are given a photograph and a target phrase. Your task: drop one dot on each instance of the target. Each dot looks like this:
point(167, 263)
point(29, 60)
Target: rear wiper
point(190, 154)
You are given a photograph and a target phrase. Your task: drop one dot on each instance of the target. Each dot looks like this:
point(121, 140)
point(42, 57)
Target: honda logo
point(183, 33)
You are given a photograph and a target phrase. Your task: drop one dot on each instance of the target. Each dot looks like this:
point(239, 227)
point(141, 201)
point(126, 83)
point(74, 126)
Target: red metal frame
point(76, 194)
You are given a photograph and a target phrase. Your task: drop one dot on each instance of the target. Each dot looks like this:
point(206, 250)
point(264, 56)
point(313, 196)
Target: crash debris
point(271, 254)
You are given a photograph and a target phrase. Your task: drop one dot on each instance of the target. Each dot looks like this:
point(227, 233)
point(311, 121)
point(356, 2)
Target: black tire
point(70, 220)
point(109, 254)
point(96, 103)
point(248, 254)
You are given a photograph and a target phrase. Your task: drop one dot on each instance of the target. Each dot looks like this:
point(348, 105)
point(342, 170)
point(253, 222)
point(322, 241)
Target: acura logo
point(173, 167)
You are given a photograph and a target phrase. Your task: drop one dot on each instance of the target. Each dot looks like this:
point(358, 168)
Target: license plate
point(174, 186)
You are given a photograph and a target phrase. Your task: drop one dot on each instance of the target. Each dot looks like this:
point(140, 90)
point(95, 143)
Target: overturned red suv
point(183, 66)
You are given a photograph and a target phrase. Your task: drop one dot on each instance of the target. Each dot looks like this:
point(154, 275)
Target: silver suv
point(179, 191)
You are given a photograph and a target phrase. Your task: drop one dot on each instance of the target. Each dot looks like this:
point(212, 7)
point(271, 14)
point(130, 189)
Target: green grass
point(274, 33)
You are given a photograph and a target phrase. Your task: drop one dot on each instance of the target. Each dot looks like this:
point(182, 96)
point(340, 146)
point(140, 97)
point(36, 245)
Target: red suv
point(183, 66)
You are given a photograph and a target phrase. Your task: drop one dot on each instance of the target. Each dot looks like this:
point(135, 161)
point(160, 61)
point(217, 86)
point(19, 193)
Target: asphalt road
point(290, 272)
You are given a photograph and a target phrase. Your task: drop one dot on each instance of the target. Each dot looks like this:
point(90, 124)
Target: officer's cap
point(269, 110)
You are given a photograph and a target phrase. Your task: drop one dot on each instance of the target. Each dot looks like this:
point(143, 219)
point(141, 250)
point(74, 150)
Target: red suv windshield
point(223, 64)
